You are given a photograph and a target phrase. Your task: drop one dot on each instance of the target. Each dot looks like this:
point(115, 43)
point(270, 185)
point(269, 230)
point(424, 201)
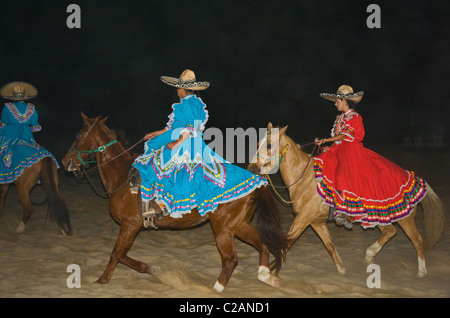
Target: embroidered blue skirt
point(191, 176)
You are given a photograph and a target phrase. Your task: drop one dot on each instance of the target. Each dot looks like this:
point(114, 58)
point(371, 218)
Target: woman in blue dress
point(179, 170)
point(19, 121)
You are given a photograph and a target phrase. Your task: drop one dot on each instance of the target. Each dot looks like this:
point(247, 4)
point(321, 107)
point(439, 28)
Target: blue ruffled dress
point(191, 175)
point(18, 149)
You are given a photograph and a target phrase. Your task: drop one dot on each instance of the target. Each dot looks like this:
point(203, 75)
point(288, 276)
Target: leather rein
point(300, 176)
point(85, 172)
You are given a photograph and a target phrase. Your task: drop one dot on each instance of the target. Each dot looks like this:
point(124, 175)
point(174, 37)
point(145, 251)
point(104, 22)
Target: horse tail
point(56, 208)
point(268, 225)
point(434, 218)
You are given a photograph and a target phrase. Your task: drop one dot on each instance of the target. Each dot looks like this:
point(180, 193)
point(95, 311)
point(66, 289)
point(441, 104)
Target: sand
point(34, 263)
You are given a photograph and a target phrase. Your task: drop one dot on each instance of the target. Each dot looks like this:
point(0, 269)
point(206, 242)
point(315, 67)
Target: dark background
point(266, 61)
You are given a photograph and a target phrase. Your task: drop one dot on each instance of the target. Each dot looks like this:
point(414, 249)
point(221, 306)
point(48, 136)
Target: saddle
point(148, 210)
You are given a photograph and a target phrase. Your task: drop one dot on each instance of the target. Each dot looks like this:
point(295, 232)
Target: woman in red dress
point(358, 183)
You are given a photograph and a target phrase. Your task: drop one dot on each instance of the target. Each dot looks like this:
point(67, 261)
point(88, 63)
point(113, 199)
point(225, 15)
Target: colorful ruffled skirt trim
point(371, 212)
point(178, 205)
point(18, 164)
point(182, 181)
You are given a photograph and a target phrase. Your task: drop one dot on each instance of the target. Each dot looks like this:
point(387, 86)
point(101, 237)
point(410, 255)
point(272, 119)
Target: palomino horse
point(296, 168)
point(229, 220)
point(45, 170)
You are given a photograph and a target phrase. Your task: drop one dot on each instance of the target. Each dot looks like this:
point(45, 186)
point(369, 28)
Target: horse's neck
point(113, 167)
point(294, 163)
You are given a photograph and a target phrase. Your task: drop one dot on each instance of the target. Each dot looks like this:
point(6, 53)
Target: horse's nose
point(68, 165)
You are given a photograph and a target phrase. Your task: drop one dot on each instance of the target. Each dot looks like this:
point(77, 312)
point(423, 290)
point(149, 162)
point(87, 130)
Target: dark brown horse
point(46, 171)
point(229, 220)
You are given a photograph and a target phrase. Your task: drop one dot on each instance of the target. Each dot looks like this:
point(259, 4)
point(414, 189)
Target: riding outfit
point(358, 182)
point(191, 175)
point(19, 120)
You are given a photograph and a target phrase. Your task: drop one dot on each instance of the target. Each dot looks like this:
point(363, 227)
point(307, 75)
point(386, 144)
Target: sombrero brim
point(176, 82)
point(7, 91)
point(354, 97)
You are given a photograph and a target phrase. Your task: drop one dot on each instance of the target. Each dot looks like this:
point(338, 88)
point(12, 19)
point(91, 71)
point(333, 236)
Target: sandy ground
point(34, 263)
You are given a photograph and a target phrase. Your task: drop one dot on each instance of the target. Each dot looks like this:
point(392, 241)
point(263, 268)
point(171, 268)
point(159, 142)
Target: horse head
point(88, 141)
point(271, 149)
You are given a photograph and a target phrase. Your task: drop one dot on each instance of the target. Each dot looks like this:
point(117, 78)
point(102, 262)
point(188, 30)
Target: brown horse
point(46, 171)
point(296, 169)
point(229, 220)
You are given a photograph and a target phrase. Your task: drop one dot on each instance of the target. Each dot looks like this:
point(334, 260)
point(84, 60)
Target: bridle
point(82, 171)
point(92, 152)
point(270, 159)
point(280, 156)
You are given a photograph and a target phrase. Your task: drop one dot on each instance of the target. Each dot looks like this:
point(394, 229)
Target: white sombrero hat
point(344, 92)
point(18, 91)
point(186, 80)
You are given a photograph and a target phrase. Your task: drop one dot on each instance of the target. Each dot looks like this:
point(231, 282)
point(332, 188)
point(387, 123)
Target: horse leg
point(127, 234)
point(297, 227)
point(409, 226)
point(24, 186)
point(322, 231)
point(3, 192)
point(224, 223)
point(249, 234)
point(387, 232)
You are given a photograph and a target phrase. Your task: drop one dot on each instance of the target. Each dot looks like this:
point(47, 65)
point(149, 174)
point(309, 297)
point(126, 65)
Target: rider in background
point(19, 120)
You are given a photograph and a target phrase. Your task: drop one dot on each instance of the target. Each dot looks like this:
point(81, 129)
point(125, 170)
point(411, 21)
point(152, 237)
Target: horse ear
point(85, 118)
point(269, 126)
point(102, 121)
point(283, 130)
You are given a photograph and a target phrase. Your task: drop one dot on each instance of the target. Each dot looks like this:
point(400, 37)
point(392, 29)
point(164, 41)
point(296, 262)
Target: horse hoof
point(265, 276)
point(155, 270)
point(219, 287)
point(101, 281)
point(21, 227)
point(341, 270)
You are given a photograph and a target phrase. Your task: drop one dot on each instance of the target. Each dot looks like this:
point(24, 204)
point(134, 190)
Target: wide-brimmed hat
point(344, 92)
point(18, 91)
point(186, 80)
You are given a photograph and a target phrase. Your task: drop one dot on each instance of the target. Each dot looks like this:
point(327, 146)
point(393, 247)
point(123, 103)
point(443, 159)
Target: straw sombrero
point(186, 80)
point(18, 91)
point(344, 92)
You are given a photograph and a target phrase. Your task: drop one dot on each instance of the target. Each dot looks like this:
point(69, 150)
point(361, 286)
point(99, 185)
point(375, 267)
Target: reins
point(85, 172)
point(311, 156)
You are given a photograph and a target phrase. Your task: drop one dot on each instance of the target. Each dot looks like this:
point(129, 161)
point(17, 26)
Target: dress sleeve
point(353, 128)
point(4, 119)
point(34, 124)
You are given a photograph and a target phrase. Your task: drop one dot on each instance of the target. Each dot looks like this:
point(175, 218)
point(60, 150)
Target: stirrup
point(148, 215)
point(148, 220)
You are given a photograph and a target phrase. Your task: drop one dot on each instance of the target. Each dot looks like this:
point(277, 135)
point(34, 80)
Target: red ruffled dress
point(362, 184)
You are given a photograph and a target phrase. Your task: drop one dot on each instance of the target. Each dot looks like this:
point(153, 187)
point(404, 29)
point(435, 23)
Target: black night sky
point(266, 60)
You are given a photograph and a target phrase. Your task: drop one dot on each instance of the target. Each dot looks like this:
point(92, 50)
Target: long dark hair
point(351, 104)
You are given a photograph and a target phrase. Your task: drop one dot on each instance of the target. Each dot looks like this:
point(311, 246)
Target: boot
point(331, 216)
point(342, 219)
point(157, 209)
